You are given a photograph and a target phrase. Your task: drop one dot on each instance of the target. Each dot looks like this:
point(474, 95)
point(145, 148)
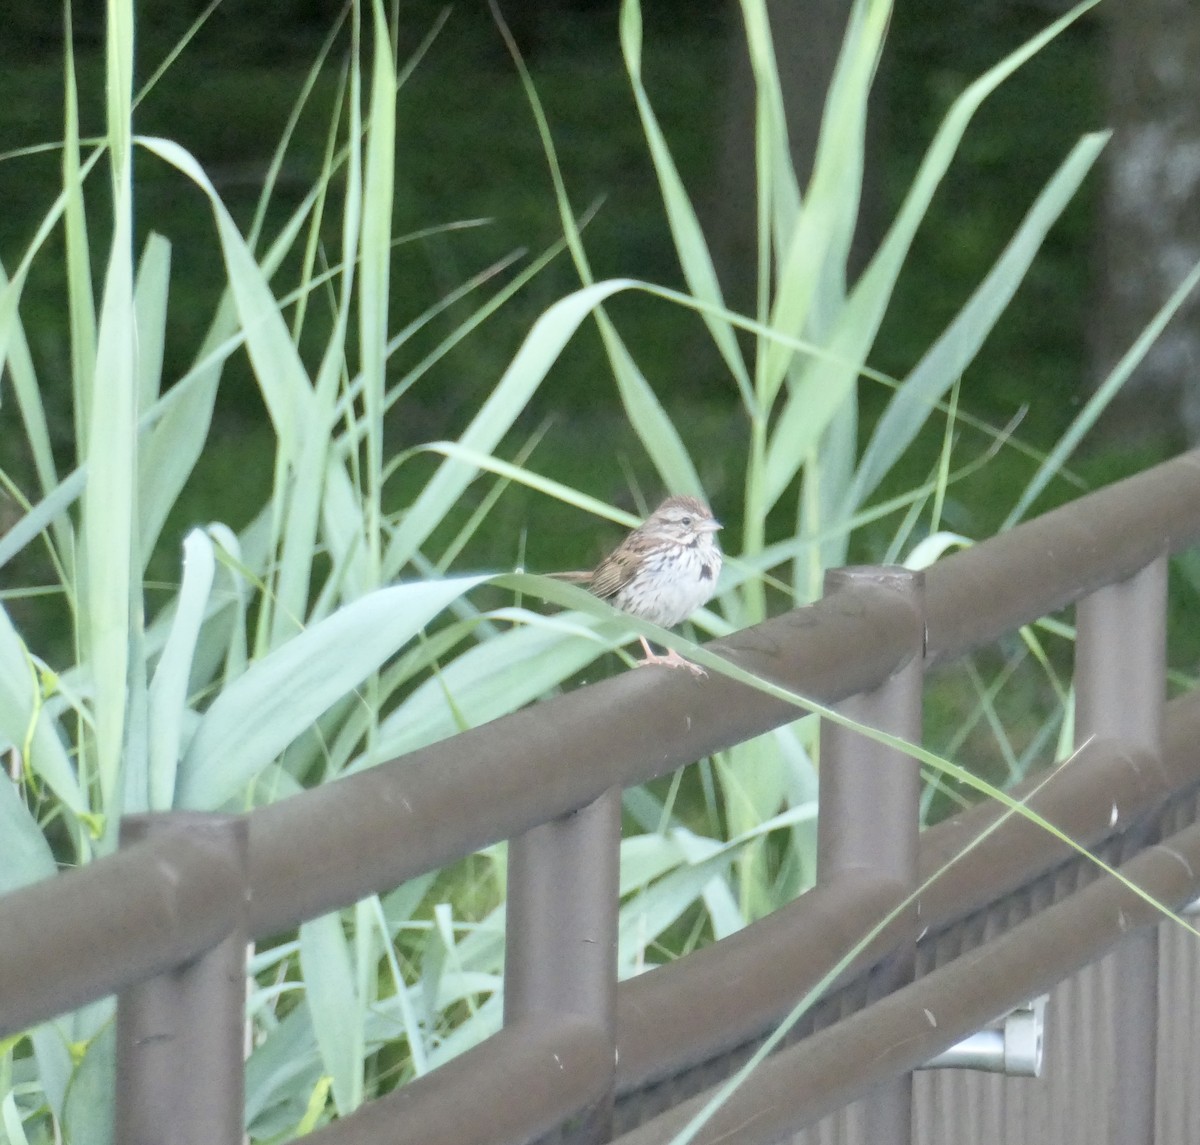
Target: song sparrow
point(662, 572)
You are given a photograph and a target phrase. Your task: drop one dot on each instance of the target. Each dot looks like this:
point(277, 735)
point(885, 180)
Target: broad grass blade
point(257, 716)
point(334, 1006)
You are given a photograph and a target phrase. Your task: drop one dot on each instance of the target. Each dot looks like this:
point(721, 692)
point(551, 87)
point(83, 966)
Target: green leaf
point(504, 404)
point(827, 381)
point(694, 256)
point(168, 707)
point(1086, 418)
point(649, 420)
point(649, 913)
point(25, 856)
point(280, 1072)
point(173, 444)
point(150, 316)
point(24, 723)
point(830, 206)
point(90, 1100)
point(10, 1120)
point(538, 656)
point(658, 435)
point(909, 409)
point(334, 1006)
point(81, 296)
point(109, 499)
point(280, 373)
point(376, 268)
point(29, 401)
point(257, 716)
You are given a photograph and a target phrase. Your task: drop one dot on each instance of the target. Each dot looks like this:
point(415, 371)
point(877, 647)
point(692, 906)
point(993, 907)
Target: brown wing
point(614, 572)
point(584, 577)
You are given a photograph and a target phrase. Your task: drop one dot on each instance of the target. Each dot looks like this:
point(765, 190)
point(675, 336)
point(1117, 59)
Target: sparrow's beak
point(710, 527)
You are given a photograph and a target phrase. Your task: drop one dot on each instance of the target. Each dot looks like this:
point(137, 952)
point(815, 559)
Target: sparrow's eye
point(685, 520)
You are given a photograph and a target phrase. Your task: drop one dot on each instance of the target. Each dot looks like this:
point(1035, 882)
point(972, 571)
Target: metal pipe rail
point(83, 935)
point(490, 783)
point(154, 905)
point(559, 1066)
point(976, 595)
point(415, 814)
point(691, 1011)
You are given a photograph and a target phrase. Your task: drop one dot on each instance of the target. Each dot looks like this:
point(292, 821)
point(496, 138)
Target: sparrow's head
point(685, 519)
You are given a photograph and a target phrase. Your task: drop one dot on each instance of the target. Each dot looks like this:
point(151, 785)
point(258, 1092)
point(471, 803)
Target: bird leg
point(671, 660)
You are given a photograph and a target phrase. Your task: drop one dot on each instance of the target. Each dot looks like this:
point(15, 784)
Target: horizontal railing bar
point(1097, 793)
point(724, 995)
point(978, 594)
point(830, 1069)
point(520, 1084)
point(124, 917)
point(663, 1015)
point(720, 996)
point(78, 937)
point(435, 805)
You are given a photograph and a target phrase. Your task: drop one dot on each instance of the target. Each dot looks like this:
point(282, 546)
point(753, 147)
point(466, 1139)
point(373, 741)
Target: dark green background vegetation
point(469, 150)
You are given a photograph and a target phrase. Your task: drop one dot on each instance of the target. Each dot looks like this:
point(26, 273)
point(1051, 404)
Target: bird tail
point(583, 577)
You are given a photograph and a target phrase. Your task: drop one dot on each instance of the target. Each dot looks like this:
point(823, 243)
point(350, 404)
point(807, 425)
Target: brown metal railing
point(156, 921)
point(1114, 796)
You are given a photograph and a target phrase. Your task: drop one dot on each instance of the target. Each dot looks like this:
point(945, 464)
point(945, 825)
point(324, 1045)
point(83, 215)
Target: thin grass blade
point(496, 416)
point(958, 344)
point(81, 299)
point(690, 245)
point(109, 498)
point(168, 706)
point(1095, 405)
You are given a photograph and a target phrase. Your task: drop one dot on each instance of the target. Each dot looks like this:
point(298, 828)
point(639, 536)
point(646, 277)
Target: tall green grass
point(329, 633)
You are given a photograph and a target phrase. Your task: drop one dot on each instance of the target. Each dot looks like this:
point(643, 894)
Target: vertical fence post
point(1120, 688)
point(561, 931)
point(180, 1075)
point(869, 811)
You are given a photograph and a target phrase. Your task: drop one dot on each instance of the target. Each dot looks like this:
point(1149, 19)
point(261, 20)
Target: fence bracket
point(1012, 1045)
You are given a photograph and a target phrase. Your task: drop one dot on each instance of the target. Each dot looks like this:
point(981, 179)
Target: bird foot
point(671, 660)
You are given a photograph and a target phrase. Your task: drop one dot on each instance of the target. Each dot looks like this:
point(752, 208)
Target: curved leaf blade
point(255, 718)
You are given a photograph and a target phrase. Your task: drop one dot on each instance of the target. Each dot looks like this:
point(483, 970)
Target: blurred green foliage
point(469, 151)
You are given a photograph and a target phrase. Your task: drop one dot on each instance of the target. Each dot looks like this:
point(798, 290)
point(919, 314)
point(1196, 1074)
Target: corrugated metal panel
point(1071, 1103)
point(846, 1127)
point(1064, 1106)
point(1178, 1096)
